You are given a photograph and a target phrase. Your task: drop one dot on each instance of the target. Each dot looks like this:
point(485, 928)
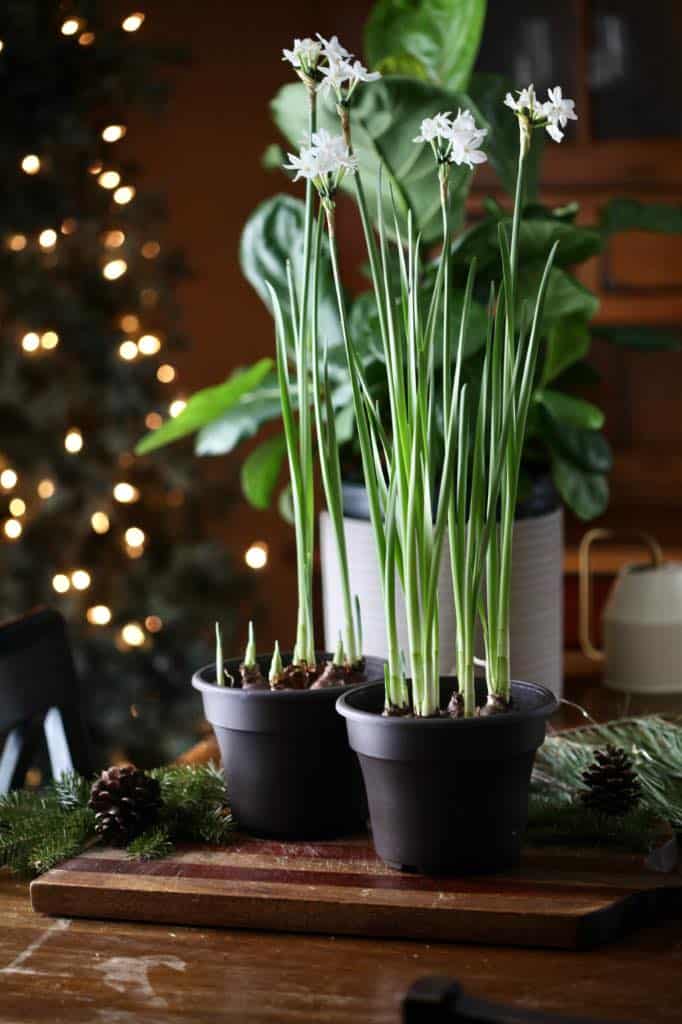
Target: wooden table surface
point(53, 969)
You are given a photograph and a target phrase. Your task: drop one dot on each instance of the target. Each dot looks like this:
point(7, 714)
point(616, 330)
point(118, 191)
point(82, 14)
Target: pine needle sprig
point(36, 832)
point(72, 791)
point(70, 836)
point(154, 844)
point(194, 803)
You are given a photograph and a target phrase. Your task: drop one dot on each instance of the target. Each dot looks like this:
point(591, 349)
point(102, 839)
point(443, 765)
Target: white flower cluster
point(457, 140)
point(324, 162)
point(305, 54)
point(553, 115)
point(330, 63)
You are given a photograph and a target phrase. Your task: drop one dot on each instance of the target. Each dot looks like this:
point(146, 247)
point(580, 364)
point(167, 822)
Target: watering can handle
point(585, 591)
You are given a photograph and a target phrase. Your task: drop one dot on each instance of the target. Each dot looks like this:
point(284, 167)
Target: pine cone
point(612, 784)
point(126, 802)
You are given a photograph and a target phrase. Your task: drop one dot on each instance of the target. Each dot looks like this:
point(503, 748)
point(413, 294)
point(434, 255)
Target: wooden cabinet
point(620, 59)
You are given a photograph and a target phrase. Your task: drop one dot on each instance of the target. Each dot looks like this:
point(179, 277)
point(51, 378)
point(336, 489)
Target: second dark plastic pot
point(448, 796)
point(289, 770)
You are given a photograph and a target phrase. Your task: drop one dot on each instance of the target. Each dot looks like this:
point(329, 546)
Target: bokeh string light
point(8, 479)
point(99, 615)
point(113, 132)
point(132, 22)
point(13, 529)
point(31, 164)
point(100, 522)
point(73, 441)
point(124, 194)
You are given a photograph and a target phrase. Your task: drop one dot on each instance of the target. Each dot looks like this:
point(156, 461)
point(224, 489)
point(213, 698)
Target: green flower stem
point(396, 691)
point(304, 494)
point(500, 558)
point(330, 466)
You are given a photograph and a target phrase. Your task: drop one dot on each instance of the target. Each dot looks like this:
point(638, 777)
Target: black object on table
point(441, 1001)
point(39, 698)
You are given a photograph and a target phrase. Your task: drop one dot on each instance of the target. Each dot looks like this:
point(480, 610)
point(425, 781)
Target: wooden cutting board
point(557, 898)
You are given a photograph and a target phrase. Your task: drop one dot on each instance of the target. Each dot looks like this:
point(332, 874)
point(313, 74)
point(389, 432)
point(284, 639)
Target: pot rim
point(544, 709)
point(199, 682)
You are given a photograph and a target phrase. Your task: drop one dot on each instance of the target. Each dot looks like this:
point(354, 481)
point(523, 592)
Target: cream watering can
point(642, 620)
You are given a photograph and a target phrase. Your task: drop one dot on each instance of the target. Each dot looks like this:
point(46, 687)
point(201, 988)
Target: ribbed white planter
point(537, 597)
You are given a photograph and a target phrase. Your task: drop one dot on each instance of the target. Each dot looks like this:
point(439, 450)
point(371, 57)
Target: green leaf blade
point(206, 406)
point(577, 412)
point(261, 469)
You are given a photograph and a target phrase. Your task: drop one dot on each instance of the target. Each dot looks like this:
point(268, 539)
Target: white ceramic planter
point(537, 597)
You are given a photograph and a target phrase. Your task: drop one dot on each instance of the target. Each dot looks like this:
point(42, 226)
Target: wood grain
point(554, 899)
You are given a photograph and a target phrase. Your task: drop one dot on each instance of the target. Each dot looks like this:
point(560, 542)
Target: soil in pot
point(446, 795)
point(289, 770)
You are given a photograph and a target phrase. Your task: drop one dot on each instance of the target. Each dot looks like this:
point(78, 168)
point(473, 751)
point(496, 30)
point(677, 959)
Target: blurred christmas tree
point(89, 322)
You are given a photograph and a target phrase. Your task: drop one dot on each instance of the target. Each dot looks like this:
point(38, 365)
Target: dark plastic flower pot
point(447, 796)
point(289, 770)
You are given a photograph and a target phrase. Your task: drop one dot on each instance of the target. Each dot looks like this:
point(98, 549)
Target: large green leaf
point(536, 238)
point(587, 494)
point(273, 236)
point(385, 119)
point(565, 296)
point(243, 420)
point(631, 215)
point(486, 98)
point(645, 339)
point(435, 39)
point(588, 449)
point(261, 469)
point(567, 342)
point(205, 406)
point(576, 412)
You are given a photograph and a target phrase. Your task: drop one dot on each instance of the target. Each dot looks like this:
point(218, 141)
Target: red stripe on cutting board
point(351, 880)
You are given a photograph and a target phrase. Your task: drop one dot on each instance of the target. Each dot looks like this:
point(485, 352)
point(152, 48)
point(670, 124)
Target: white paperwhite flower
point(327, 157)
point(361, 74)
point(464, 122)
point(305, 54)
point(458, 140)
point(341, 73)
point(305, 164)
point(527, 103)
point(553, 115)
point(335, 75)
point(332, 49)
point(465, 148)
point(437, 127)
point(559, 109)
point(332, 153)
point(558, 112)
